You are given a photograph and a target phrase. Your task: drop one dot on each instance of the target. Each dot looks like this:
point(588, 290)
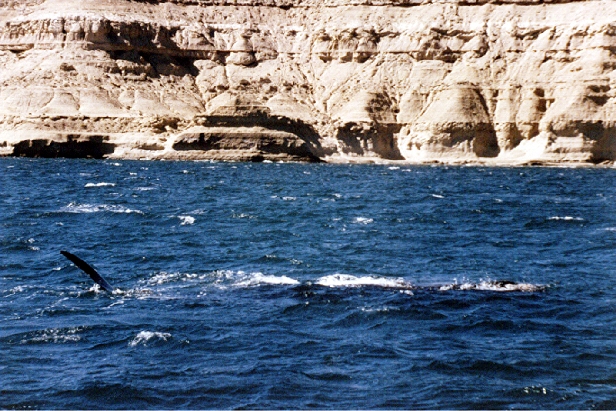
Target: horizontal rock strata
point(418, 81)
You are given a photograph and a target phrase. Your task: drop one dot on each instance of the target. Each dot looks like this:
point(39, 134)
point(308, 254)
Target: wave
point(89, 185)
point(546, 222)
point(346, 280)
point(222, 279)
point(565, 218)
point(146, 336)
point(98, 208)
point(186, 219)
point(49, 335)
point(257, 279)
point(165, 278)
point(243, 215)
point(164, 282)
point(500, 286)
point(242, 279)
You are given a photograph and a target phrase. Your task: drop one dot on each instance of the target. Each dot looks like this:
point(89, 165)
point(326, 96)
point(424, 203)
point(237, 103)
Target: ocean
point(286, 286)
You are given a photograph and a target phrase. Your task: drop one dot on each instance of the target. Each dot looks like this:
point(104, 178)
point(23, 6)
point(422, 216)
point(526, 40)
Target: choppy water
point(306, 286)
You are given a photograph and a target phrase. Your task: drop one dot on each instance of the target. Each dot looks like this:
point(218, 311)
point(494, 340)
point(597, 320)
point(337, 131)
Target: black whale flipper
point(87, 268)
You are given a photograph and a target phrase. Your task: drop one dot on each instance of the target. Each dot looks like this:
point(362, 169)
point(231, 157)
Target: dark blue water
point(306, 286)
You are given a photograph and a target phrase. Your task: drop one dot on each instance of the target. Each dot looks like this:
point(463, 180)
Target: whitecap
point(379, 309)
point(18, 290)
point(96, 208)
point(186, 219)
point(363, 220)
point(103, 184)
point(257, 279)
point(500, 286)
point(165, 278)
point(242, 215)
point(229, 278)
point(566, 218)
point(346, 280)
point(394, 168)
point(437, 196)
point(536, 390)
point(145, 336)
point(56, 336)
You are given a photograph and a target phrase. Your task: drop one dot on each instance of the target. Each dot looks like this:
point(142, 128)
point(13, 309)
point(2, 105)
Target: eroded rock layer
point(496, 82)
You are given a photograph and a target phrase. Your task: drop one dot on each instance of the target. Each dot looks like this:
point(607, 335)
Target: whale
point(493, 285)
point(88, 269)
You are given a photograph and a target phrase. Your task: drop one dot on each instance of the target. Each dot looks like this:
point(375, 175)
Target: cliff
point(479, 81)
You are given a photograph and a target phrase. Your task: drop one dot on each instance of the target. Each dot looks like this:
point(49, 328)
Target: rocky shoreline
point(403, 81)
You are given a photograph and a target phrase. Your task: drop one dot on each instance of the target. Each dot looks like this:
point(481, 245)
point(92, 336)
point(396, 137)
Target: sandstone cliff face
point(480, 81)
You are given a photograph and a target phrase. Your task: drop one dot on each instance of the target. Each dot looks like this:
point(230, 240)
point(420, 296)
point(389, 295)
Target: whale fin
point(87, 268)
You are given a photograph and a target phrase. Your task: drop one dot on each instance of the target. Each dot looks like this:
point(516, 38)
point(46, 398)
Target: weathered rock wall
point(496, 82)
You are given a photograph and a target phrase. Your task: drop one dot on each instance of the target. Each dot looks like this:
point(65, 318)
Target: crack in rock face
point(305, 80)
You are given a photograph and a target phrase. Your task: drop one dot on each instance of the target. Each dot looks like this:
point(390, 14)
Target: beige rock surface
point(474, 81)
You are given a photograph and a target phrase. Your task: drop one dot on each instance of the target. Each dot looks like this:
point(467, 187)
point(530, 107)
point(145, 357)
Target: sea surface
point(285, 286)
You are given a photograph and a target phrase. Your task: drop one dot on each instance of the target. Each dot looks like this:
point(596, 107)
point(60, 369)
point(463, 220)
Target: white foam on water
point(242, 215)
point(166, 278)
point(31, 247)
point(565, 218)
point(103, 184)
point(363, 220)
point(18, 289)
point(186, 219)
point(384, 309)
point(56, 336)
point(394, 168)
point(257, 279)
point(224, 279)
point(437, 196)
point(346, 280)
point(536, 390)
point(492, 286)
point(95, 288)
point(98, 208)
point(145, 336)
point(284, 198)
